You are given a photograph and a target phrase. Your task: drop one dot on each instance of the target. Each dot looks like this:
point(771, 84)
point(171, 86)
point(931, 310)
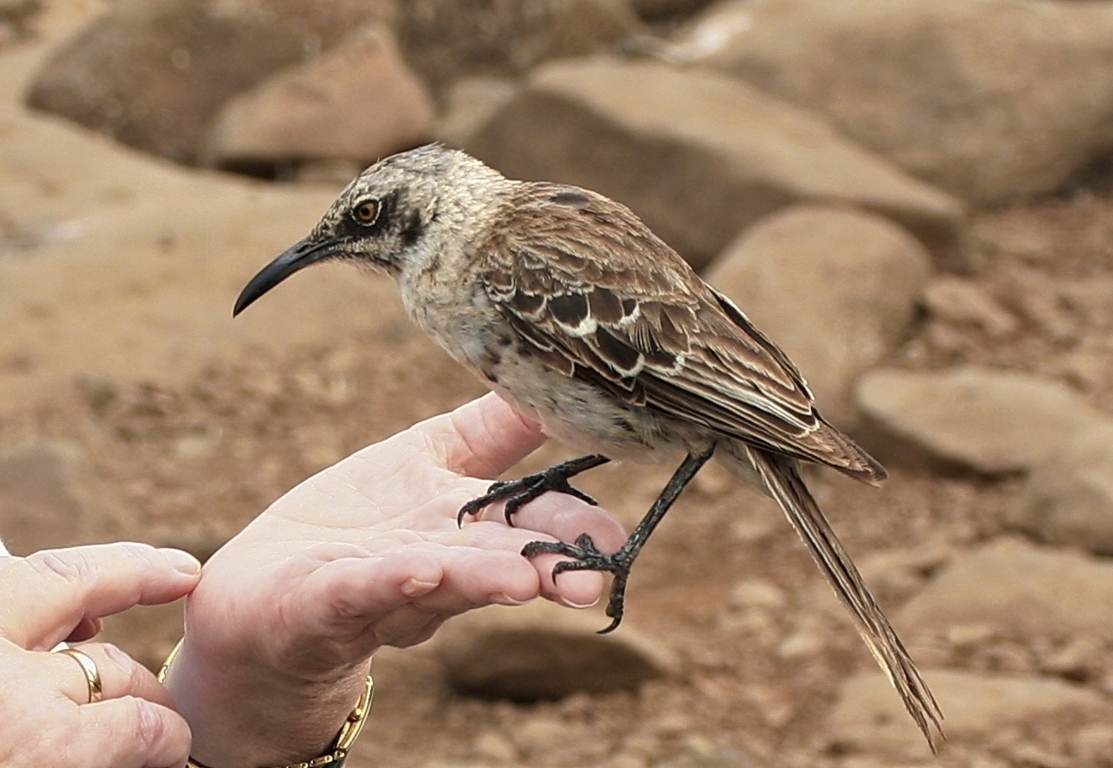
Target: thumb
point(44, 596)
point(483, 438)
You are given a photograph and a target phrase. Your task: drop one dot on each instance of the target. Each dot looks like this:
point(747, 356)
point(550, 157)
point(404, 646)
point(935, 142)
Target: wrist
point(244, 714)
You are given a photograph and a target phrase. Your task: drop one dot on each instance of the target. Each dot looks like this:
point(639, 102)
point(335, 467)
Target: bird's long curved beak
point(294, 259)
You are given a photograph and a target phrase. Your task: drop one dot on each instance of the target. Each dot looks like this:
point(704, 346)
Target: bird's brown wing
point(599, 297)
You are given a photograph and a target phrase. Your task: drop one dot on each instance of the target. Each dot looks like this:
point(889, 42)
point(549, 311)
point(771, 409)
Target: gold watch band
point(341, 745)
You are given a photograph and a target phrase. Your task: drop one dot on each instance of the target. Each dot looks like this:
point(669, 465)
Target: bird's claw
point(585, 556)
point(518, 493)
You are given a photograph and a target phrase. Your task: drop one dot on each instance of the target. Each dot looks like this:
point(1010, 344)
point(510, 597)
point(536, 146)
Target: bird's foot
point(519, 492)
point(585, 556)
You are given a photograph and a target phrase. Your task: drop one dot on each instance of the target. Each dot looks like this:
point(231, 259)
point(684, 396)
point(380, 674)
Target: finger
point(444, 580)
point(576, 589)
point(120, 675)
point(472, 577)
point(130, 732)
point(86, 629)
point(44, 596)
point(483, 438)
point(558, 517)
point(573, 588)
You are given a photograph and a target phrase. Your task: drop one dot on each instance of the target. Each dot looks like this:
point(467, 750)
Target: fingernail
point(416, 588)
point(505, 599)
point(183, 562)
point(568, 603)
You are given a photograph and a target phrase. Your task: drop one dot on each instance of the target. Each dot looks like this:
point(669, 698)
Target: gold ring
point(92, 674)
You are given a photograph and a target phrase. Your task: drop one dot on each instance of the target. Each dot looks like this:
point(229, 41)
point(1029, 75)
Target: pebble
point(495, 747)
point(757, 593)
point(1068, 499)
point(1092, 745)
point(961, 301)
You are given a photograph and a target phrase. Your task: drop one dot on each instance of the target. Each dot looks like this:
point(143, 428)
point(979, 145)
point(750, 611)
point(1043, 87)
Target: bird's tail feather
point(783, 481)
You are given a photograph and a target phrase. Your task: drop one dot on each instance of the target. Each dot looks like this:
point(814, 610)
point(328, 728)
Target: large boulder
point(697, 155)
point(152, 75)
point(445, 40)
point(835, 288)
point(988, 99)
point(1018, 591)
point(358, 101)
point(971, 417)
point(979, 708)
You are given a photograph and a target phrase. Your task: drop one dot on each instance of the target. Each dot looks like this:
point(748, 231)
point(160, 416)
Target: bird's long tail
point(783, 481)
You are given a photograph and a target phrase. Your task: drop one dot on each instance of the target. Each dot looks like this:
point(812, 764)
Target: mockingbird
point(569, 307)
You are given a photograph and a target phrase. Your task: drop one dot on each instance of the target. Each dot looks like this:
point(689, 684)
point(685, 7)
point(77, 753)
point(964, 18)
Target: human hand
point(48, 718)
point(364, 554)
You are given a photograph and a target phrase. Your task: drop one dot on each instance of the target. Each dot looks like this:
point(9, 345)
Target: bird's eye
point(366, 212)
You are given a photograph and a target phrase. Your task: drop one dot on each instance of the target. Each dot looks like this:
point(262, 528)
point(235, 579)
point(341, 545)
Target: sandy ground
point(117, 338)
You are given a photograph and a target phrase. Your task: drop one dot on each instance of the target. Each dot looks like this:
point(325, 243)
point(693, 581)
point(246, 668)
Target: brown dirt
point(202, 456)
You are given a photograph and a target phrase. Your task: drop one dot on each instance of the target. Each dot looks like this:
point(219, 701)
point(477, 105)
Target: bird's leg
point(587, 557)
point(526, 489)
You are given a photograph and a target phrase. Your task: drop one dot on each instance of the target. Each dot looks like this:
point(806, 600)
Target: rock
point(870, 718)
point(1020, 590)
point(152, 75)
point(131, 244)
point(544, 651)
point(581, 27)
point(835, 288)
point(50, 497)
point(16, 18)
point(710, 757)
point(756, 594)
point(667, 10)
point(988, 100)
point(1039, 298)
point(971, 417)
point(960, 301)
point(357, 101)
point(540, 735)
point(448, 40)
point(894, 575)
point(494, 747)
point(1093, 745)
point(1069, 497)
point(696, 155)
point(469, 103)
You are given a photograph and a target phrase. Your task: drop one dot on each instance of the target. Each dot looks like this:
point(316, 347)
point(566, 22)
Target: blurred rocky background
point(911, 196)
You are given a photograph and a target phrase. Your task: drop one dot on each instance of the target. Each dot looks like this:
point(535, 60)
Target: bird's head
point(393, 217)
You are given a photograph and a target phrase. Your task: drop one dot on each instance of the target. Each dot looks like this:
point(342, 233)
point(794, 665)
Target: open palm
point(368, 553)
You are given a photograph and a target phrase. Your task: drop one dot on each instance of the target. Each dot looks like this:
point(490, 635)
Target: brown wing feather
point(603, 299)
